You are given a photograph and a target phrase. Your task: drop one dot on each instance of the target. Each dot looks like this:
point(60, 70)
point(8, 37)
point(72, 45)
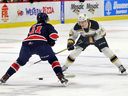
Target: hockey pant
point(101, 44)
point(45, 52)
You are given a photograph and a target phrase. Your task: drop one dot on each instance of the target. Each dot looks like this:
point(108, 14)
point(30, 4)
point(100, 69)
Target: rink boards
point(24, 14)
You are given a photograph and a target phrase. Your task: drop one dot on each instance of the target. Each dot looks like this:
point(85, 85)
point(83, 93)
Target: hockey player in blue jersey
point(41, 37)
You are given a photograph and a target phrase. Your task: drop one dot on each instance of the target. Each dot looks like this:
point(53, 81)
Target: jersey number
point(35, 29)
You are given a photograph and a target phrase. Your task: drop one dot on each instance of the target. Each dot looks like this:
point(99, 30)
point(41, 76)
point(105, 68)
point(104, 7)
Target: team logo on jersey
point(4, 13)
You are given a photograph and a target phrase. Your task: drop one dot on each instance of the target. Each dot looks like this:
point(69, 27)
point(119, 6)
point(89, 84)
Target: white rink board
point(28, 11)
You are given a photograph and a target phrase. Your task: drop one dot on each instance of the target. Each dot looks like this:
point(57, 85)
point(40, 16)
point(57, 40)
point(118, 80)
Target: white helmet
point(82, 17)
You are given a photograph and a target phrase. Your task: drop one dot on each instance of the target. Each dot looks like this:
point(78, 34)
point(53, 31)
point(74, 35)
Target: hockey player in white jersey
point(91, 33)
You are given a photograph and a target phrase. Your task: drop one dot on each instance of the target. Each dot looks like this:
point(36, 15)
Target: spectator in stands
point(5, 1)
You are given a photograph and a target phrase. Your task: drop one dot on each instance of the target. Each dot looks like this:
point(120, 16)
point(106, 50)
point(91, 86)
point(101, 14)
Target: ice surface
point(95, 75)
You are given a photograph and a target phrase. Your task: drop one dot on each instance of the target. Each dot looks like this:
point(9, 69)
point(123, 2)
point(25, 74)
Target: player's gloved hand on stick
point(70, 45)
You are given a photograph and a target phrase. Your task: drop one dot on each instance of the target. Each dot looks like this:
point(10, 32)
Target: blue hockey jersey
point(42, 32)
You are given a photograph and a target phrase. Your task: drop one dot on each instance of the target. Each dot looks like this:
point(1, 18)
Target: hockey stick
point(61, 51)
point(55, 53)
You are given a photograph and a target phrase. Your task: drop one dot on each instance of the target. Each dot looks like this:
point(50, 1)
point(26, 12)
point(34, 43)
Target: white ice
point(95, 74)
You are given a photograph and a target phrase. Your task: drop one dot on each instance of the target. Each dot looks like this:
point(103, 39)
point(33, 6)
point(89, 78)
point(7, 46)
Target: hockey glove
point(52, 43)
point(70, 45)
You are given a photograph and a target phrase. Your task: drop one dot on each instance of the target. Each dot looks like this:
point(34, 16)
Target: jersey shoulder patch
point(77, 27)
point(94, 25)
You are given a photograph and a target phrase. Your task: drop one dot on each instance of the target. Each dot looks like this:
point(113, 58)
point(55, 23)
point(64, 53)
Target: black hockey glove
point(52, 43)
point(70, 45)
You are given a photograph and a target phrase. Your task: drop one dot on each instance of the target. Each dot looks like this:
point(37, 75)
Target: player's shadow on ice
point(31, 89)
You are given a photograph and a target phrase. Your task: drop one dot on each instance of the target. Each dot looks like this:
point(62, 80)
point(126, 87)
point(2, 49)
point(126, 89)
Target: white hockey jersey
point(94, 29)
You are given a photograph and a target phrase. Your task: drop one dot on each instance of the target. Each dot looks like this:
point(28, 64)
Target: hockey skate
point(67, 75)
point(64, 68)
point(62, 79)
point(4, 79)
point(122, 69)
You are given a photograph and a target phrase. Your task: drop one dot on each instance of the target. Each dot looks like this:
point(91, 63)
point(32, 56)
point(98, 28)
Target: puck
point(40, 78)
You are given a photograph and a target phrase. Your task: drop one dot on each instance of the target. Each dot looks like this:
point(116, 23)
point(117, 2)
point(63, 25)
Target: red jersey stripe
point(35, 37)
point(54, 36)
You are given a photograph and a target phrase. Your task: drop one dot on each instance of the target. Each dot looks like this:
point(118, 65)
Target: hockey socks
point(13, 68)
point(68, 63)
point(58, 71)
